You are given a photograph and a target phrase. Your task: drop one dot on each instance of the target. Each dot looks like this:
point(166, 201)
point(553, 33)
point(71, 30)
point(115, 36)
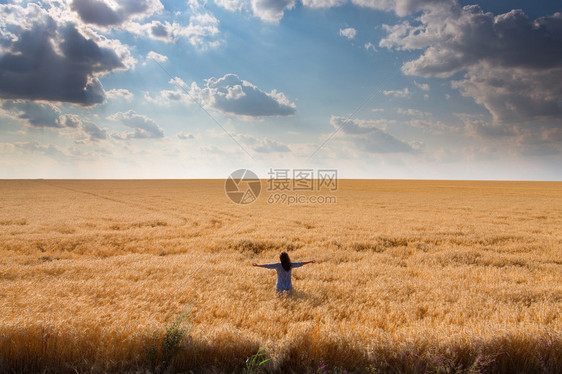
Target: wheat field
point(156, 276)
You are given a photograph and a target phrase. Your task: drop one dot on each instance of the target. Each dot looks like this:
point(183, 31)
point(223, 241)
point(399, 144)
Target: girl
point(284, 271)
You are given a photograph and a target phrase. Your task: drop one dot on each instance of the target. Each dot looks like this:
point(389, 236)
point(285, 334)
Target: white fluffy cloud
point(202, 30)
point(370, 46)
point(512, 65)
point(348, 32)
point(403, 7)
point(232, 95)
point(273, 10)
point(156, 56)
point(323, 3)
point(368, 136)
point(232, 5)
point(267, 10)
point(118, 93)
point(422, 86)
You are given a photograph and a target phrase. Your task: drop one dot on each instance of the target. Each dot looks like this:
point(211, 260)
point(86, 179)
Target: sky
point(379, 89)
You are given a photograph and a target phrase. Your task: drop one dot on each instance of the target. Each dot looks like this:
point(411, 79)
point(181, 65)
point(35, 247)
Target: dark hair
point(285, 261)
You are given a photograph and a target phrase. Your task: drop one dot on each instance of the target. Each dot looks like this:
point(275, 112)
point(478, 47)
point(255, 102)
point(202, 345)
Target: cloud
point(106, 13)
point(46, 115)
point(474, 125)
point(323, 3)
point(156, 57)
point(35, 114)
point(231, 95)
point(94, 131)
point(515, 95)
point(71, 120)
point(117, 93)
point(552, 134)
point(512, 65)
point(185, 136)
point(232, 5)
point(398, 93)
point(422, 86)
point(371, 46)
point(48, 150)
point(403, 7)
point(201, 31)
point(7, 148)
point(349, 32)
point(264, 145)
point(271, 146)
point(413, 112)
point(433, 127)
point(271, 10)
point(42, 60)
point(274, 10)
point(143, 127)
point(368, 137)
point(267, 10)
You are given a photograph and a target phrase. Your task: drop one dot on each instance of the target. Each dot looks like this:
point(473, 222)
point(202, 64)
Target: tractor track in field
point(212, 214)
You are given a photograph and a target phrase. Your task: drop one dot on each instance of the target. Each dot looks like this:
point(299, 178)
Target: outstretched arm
point(260, 266)
point(308, 262)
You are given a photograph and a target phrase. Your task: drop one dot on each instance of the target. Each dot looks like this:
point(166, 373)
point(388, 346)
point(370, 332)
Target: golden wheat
point(412, 276)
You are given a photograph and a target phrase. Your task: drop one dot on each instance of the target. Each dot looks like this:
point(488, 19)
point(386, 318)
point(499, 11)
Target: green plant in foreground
point(164, 347)
point(253, 362)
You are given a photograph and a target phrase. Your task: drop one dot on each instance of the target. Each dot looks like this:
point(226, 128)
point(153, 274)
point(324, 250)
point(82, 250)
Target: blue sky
point(196, 89)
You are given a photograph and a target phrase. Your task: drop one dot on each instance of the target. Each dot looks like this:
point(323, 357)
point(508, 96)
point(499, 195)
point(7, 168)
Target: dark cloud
point(512, 65)
point(94, 131)
point(369, 138)
point(35, 114)
point(70, 120)
point(99, 13)
point(471, 36)
point(54, 63)
point(232, 95)
point(46, 115)
point(158, 30)
point(143, 127)
point(515, 95)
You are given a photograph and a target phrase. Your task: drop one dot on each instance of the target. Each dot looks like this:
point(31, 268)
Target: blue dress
point(283, 276)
